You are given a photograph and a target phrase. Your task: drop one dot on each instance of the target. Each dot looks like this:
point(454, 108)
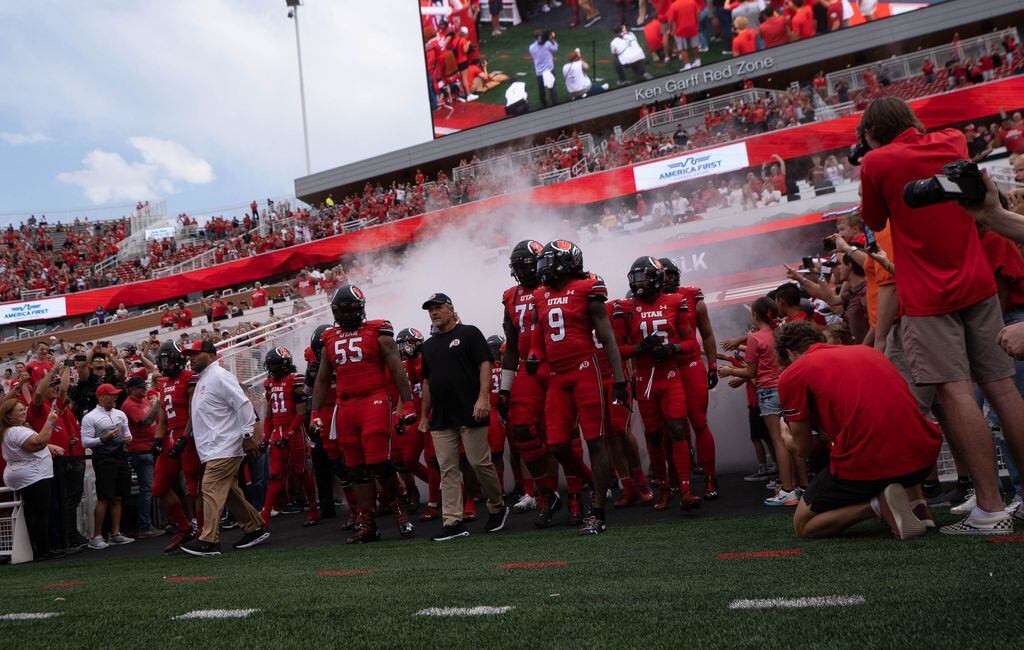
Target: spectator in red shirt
point(745, 40)
point(142, 413)
point(803, 24)
point(774, 31)
point(684, 16)
point(41, 364)
point(948, 295)
point(218, 310)
point(183, 316)
point(259, 296)
point(167, 318)
point(881, 448)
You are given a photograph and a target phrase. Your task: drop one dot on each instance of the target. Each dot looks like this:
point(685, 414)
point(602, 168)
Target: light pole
point(293, 13)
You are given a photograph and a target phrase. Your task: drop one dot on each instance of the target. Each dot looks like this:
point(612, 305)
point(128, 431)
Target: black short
point(113, 477)
point(463, 66)
point(758, 429)
point(826, 492)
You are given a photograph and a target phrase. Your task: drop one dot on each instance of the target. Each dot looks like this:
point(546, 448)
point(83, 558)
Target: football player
point(698, 380)
point(285, 432)
point(496, 428)
point(658, 325)
point(355, 354)
point(321, 461)
point(569, 308)
point(415, 443)
point(173, 447)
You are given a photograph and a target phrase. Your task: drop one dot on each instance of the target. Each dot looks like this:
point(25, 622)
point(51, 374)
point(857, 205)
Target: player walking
point(415, 443)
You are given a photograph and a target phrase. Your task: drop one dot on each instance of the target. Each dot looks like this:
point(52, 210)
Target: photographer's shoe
point(991, 525)
point(894, 509)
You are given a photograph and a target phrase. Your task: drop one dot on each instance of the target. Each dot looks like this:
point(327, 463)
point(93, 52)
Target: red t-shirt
point(860, 401)
point(803, 22)
point(761, 348)
point(652, 35)
point(37, 370)
point(259, 298)
point(167, 320)
point(305, 287)
point(218, 309)
point(142, 436)
point(1008, 265)
point(942, 265)
point(835, 15)
point(774, 32)
point(684, 14)
point(65, 427)
point(1012, 139)
point(745, 42)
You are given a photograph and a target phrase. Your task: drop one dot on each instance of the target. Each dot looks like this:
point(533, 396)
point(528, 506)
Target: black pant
point(68, 480)
point(543, 90)
point(324, 481)
point(639, 68)
point(36, 500)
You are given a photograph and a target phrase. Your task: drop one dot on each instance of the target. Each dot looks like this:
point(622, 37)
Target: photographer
point(543, 50)
point(628, 54)
point(881, 447)
point(948, 295)
point(577, 82)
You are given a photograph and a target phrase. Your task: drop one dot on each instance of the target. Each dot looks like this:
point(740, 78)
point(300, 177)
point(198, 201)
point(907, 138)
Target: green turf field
point(637, 586)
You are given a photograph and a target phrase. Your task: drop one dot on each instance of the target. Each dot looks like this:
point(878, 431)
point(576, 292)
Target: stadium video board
point(542, 52)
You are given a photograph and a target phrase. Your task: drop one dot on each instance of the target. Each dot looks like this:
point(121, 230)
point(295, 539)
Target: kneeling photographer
point(952, 316)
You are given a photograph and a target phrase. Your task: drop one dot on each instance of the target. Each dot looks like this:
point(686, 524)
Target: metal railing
point(907, 66)
point(698, 110)
point(34, 294)
point(515, 161)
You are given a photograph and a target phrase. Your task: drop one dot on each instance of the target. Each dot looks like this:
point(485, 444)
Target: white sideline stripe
point(815, 601)
point(215, 613)
point(482, 610)
point(28, 616)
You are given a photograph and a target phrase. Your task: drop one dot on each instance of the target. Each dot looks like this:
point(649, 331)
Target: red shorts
point(526, 400)
point(661, 396)
point(496, 433)
point(575, 396)
point(695, 385)
point(364, 429)
point(295, 455)
point(166, 469)
point(616, 415)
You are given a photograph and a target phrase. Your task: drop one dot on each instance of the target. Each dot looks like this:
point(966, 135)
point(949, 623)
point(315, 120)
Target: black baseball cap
point(437, 299)
point(136, 382)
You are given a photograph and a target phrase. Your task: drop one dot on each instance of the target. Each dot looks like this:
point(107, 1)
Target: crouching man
point(880, 446)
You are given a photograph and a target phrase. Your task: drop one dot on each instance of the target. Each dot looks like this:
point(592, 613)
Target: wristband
point(507, 377)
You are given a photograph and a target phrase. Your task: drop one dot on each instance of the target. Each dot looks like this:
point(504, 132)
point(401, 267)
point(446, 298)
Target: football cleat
point(180, 537)
point(312, 518)
point(430, 513)
point(710, 488)
point(575, 510)
point(593, 526)
point(688, 502)
point(646, 494)
point(351, 521)
point(549, 504)
point(664, 499)
point(412, 500)
point(525, 504)
point(366, 530)
point(627, 498)
point(405, 528)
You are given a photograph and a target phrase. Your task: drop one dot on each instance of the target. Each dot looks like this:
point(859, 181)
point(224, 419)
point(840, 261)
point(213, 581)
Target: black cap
point(136, 382)
point(437, 299)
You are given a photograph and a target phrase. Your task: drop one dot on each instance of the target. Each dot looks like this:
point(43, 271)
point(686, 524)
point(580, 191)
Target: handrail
point(528, 155)
point(697, 109)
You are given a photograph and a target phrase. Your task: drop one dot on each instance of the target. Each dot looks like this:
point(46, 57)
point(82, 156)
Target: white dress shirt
point(221, 413)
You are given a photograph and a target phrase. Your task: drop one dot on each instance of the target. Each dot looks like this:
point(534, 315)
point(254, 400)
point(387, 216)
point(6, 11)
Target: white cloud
point(106, 176)
point(16, 139)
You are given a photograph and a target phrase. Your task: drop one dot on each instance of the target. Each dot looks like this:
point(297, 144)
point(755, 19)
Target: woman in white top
point(30, 470)
point(835, 171)
point(577, 82)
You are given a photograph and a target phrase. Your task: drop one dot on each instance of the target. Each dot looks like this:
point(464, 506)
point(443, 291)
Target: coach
point(223, 422)
point(456, 397)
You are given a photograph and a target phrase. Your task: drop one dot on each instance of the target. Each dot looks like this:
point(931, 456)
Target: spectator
point(948, 296)
point(680, 137)
point(928, 71)
point(494, 7)
point(480, 80)
point(881, 447)
point(803, 24)
point(29, 471)
point(774, 31)
point(577, 83)
point(977, 148)
point(745, 40)
point(542, 50)
point(100, 314)
point(456, 410)
point(167, 318)
point(183, 316)
point(105, 431)
point(684, 17)
point(751, 12)
point(142, 414)
point(590, 14)
point(628, 54)
point(258, 296)
point(122, 311)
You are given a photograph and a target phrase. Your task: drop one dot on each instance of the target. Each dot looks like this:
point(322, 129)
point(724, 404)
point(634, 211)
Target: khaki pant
point(478, 453)
point(220, 487)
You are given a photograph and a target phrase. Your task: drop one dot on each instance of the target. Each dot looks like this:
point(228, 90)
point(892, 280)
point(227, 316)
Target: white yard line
point(482, 610)
point(812, 601)
point(28, 616)
point(215, 613)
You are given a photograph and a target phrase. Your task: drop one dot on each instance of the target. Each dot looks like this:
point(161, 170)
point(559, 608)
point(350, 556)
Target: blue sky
point(105, 102)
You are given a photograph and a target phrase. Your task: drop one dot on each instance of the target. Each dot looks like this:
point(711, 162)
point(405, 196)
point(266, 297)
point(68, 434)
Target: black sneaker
point(227, 522)
point(593, 526)
point(550, 504)
point(199, 548)
point(496, 520)
point(249, 540)
point(291, 509)
point(451, 531)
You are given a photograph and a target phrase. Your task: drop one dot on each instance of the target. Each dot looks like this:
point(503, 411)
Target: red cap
point(201, 345)
point(107, 389)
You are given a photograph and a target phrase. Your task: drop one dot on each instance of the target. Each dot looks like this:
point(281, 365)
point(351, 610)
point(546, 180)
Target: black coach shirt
point(451, 363)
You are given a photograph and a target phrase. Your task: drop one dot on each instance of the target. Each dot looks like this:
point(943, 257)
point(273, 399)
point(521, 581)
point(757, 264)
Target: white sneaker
point(1016, 508)
point(686, 67)
point(783, 498)
point(965, 508)
point(894, 509)
point(97, 543)
point(274, 512)
point(545, 8)
point(525, 504)
point(556, 3)
point(696, 63)
point(997, 524)
point(119, 539)
point(471, 97)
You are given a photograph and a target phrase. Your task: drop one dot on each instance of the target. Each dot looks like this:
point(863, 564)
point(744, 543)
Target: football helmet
point(279, 362)
point(349, 307)
point(671, 274)
point(170, 359)
point(409, 341)
point(523, 262)
point(646, 277)
point(559, 259)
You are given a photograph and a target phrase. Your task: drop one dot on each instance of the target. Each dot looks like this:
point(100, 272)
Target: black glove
point(264, 445)
point(712, 377)
point(532, 364)
point(178, 448)
point(663, 352)
point(620, 394)
point(158, 446)
point(399, 428)
point(504, 398)
point(281, 442)
point(650, 343)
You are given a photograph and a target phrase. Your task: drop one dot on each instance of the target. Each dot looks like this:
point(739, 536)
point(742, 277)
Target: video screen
point(491, 59)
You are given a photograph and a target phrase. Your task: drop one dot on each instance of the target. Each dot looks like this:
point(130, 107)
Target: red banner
point(958, 106)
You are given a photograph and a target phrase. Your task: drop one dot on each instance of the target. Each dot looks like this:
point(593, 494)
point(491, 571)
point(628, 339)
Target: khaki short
point(957, 346)
point(926, 396)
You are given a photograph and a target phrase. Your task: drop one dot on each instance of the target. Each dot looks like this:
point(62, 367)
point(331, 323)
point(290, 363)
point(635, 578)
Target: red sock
point(177, 515)
point(577, 468)
point(681, 456)
point(706, 450)
point(573, 484)
point(199, 518)
point(639, 478)
point(273, 489)
point(548, 482)
point(628, 488)
point(657, 454)
point(528, 486)
point(309, 483)
point(350, 498)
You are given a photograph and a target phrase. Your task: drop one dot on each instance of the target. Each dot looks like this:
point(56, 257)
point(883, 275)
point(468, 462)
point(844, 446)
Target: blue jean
point(703, 22)
point(142, 464)
point(1009, 318)
point(768, 401)
point(725, 22)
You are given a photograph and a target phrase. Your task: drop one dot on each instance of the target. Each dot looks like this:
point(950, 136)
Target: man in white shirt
point(105, 431)
point(223, 423)
point(628, 54)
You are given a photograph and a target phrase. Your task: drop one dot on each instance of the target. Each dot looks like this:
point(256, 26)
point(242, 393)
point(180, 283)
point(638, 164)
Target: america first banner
point(709, 162)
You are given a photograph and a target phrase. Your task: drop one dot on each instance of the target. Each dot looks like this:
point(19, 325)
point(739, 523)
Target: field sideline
point(642, 584)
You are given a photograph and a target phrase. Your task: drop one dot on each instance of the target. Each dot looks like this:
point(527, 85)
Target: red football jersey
point(621, 334)
point(692, 295)
point(281, 398)
point(495, 383)
point(666, 317)
point(518, 302)
point(174, 395)
point(563, 321)
point(414, 370)
point(357, 359)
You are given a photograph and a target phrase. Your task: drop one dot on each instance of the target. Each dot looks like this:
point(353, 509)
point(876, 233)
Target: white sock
point(875, 507)
point(978, 513)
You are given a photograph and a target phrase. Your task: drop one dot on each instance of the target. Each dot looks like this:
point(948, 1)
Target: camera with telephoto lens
point(960, 181)
point(857, 152)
